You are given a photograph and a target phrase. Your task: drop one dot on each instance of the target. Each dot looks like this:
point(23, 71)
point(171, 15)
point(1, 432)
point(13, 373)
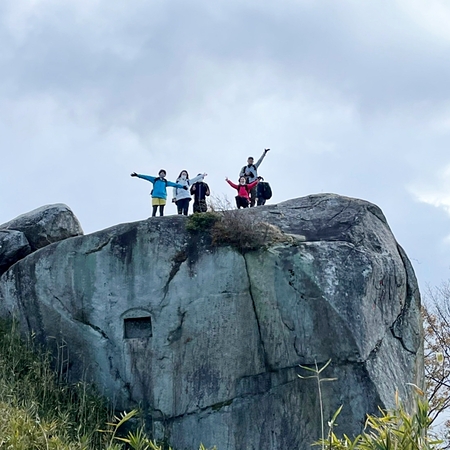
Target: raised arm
point(260, 160)
point(235, 186)
point(197, 178)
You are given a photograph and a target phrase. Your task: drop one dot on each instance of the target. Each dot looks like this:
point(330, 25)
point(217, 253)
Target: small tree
point(436, 317)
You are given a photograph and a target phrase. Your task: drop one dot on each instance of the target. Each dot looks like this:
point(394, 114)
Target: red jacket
point(243, 189)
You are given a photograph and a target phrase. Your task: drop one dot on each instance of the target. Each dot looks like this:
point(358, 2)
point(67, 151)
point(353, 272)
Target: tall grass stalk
point(316, 375)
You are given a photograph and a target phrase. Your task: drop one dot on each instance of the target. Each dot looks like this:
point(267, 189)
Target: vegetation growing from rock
point(394, 429)
point(234, 228)
point(202, 221)
point(41, 411)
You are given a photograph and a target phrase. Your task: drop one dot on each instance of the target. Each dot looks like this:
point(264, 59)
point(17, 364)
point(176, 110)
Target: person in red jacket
point(243, 189)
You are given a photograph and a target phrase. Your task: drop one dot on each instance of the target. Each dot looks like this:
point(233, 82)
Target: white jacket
point(179, 193)
point(251, 172)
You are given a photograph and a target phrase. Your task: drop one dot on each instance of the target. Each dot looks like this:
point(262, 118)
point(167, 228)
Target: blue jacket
point(159, 185)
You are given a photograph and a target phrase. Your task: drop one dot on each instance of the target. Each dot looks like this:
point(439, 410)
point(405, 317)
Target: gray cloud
point(352, 97)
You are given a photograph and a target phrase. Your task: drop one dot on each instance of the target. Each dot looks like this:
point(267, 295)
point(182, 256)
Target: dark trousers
point(261, 201)
point(161, 210)
point(241, 202)
point(183, 206)
point(253, 196)
point(200, 206)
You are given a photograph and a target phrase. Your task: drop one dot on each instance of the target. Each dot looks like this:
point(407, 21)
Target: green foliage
point(135, 440)
point(40, 411)
point(393, 430)
point(202, 221)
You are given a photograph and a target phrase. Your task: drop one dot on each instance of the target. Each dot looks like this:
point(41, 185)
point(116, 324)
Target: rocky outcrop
point(208, 340)
point(13, 247)
point(45, 225)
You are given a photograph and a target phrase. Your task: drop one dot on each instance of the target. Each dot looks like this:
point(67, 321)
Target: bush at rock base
point(394, 429)
point(41, 411)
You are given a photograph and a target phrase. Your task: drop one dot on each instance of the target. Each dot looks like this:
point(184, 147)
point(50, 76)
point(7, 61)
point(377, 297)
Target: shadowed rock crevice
point(255, 311)
point(179, 258)
point(403, 327)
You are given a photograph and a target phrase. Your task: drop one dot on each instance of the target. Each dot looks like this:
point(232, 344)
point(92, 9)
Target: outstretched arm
point(260, 160)
point(176, 185)
point(144, 177)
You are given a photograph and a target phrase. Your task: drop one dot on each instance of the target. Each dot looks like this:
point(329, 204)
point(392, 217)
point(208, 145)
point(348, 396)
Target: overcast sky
point(352, 97)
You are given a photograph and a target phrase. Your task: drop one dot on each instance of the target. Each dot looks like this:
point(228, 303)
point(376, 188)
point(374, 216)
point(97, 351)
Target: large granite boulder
point(45, 225)
point(13, 247)
point(208, 340)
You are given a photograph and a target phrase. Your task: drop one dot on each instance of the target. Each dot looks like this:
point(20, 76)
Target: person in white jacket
point(181, 196)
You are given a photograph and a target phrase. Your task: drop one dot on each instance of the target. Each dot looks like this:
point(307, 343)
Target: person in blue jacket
point(159, 191)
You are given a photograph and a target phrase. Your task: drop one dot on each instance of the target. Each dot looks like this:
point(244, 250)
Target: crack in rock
point(98, 248)
point(178, 259)
point(401, 323)
point(82, 322)
point(211, 409)
point(263, 349)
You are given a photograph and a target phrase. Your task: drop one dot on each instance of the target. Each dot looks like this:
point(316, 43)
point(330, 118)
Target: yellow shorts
point(158, 201)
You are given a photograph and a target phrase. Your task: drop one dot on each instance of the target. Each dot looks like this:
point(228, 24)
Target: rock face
point(13, 246)
point(209, 340)
point(45, 225)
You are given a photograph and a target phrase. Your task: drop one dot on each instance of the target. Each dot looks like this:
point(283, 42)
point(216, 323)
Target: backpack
point(245, 167)
point(264, 190)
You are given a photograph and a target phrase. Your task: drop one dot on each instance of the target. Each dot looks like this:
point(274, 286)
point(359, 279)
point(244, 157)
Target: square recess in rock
point(137, 327)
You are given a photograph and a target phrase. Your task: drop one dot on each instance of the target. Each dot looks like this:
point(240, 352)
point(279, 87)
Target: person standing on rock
point(200, 190)
point(250, 172)
point(263, 192)
point(159, 191)
point(182, 197)
point(243, 190)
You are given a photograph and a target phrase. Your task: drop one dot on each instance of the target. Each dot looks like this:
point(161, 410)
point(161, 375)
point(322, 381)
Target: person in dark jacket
point(200, 190)
point(263, 192)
